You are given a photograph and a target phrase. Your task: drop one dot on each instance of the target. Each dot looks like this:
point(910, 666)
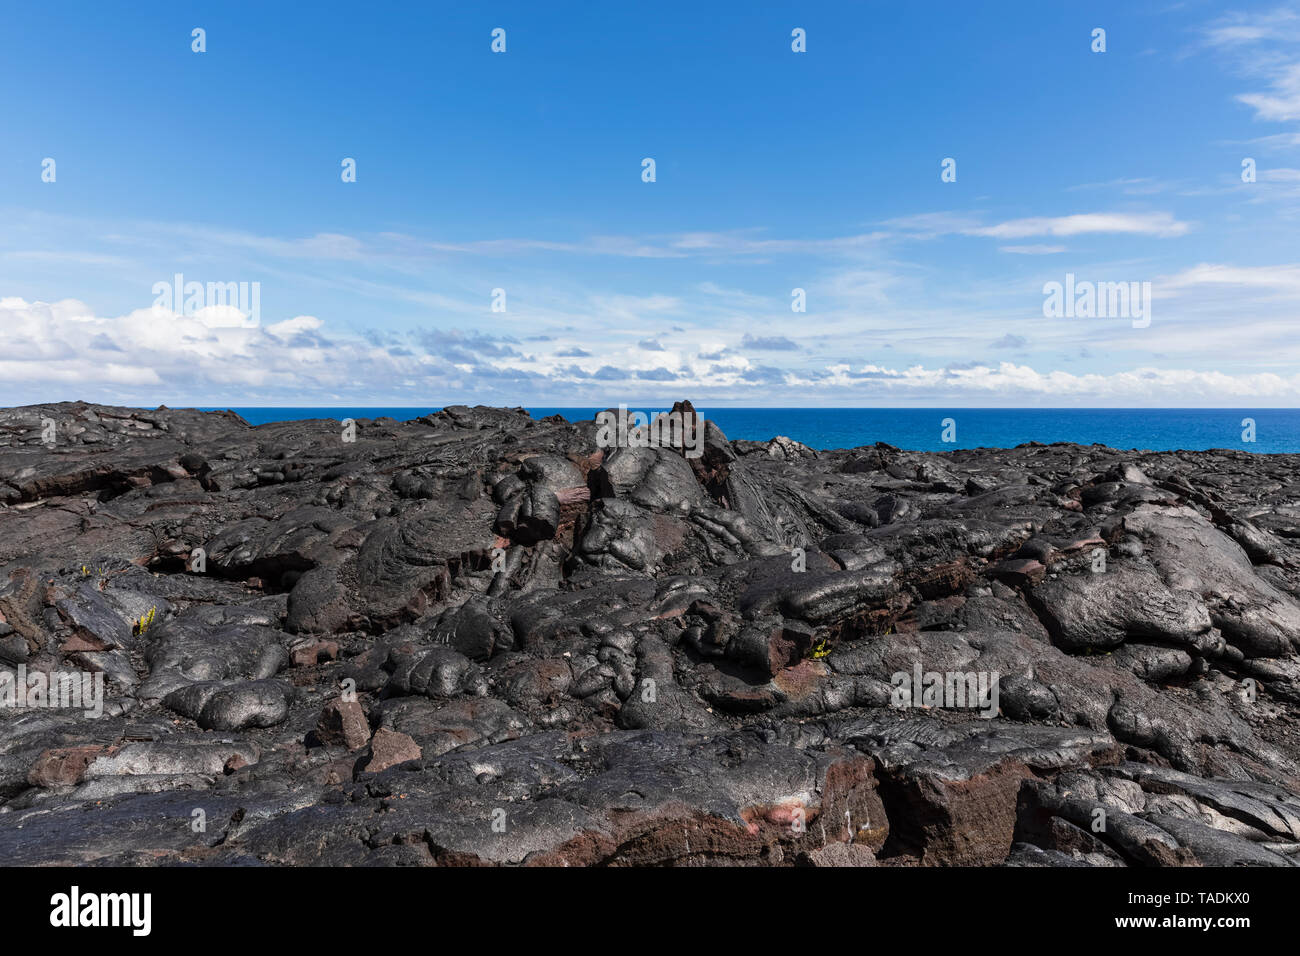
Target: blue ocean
point(922, 429)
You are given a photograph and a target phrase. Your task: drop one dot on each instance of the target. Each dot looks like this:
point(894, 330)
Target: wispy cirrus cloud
point(1274, 279)
point(1032, 250)
point(1161, 225)
point(1264, 45)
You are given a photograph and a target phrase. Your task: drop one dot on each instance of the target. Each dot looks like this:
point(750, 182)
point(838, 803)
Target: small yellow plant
point(142, 625)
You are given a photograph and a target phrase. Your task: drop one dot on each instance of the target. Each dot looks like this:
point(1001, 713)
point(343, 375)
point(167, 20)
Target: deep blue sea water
point(1160, 429)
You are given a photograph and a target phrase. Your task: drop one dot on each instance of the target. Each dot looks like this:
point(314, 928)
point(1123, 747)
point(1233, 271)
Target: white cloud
point(301, 323)
point(1281, 103)
point(1279, 279)
point(1142, 385)
point(1240, 29)
point(61, 350)
point(1160, 224)
point(930, 225)
point(1033, 250)
point(1265, 45)
point(747, 243)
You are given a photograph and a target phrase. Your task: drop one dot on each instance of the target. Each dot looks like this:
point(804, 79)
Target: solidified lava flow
point(480, 638)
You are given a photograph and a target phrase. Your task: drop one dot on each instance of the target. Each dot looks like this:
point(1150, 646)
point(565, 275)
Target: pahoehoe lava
point(478, 638)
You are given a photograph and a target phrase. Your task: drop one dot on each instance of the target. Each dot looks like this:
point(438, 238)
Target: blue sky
point(775, 170)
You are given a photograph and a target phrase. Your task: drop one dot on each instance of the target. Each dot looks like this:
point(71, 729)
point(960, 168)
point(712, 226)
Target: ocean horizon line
point(935, 429)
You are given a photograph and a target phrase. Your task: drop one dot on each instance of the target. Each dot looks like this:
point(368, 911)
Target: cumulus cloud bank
point(61, 350)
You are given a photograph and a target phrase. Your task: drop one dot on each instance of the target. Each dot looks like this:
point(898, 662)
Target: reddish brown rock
point(838, 855)
point(388, 748)
point(82, 642)
point(64, 766)
point(1020, 571)
point(943, 580)
point(343, 722)
point(309, 655)
point(235, 763)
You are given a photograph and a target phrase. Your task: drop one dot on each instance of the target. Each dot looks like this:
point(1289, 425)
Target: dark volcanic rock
point(476, 638)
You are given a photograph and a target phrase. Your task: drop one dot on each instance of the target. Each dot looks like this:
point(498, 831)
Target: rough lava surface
point(476, 638)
